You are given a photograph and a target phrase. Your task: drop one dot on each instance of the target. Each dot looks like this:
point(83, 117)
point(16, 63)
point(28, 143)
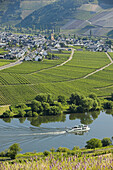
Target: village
point(38, 47)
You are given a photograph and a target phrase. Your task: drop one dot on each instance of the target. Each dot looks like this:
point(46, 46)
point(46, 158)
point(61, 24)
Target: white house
point(45, 53)
point(109, 50)
point(28, 58)
point(38, 57)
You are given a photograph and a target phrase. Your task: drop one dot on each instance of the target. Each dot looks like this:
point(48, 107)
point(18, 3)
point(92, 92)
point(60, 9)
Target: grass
point(3, 109)
point(23, 82)
point(30, 67)
point(67, 159)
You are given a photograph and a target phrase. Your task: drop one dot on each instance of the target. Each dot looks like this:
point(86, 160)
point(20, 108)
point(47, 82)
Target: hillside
point(13, 11)
point(54, 14)
point(21, 84)
point(75, 16)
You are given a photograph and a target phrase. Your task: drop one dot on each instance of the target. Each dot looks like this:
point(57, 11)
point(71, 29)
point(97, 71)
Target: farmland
point(23, 82)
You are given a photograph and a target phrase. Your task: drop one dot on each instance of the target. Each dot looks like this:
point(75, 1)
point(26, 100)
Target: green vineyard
point(23, 82)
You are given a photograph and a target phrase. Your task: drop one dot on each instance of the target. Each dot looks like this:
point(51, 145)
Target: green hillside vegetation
point(12, 12)
point(48, 16)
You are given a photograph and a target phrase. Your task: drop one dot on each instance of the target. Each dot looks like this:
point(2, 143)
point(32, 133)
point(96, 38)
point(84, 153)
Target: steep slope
point(13, 11)
point(53, 14)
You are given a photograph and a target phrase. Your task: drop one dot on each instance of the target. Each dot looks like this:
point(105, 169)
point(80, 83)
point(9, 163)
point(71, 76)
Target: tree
point(41, 98)
point(73, 108)
point(87, 103)
point(112, 96)
point(106, 142)
point(92, 96)
point(108, 105)
point(13, 150)
point(54, 110)
point(36, 106)
point(93, 143)
point(21, 113)
point(61, 99)
point(76, 98)
point(50, 99)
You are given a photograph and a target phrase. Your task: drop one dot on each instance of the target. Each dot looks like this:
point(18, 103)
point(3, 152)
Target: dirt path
point(70, 58)
point(12, 64)
point(100, 69)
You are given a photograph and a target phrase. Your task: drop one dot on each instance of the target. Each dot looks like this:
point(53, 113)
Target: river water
point(43, 133)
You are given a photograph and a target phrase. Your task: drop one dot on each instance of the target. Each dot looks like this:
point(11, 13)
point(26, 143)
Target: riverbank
point(62, 158)
point(45, 105)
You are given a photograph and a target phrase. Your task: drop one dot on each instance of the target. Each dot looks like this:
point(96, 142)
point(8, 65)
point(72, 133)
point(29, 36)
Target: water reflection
point(37, 121)
point(85, 118)
point(44, 132)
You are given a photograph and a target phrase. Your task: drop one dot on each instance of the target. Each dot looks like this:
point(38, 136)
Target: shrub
point(63, 149)
point(73, 108)
point(54, 110)
point(93, 96)
point(29, 114)
point(76, 148)
point(76, 98)
point(36, 106)
point(22, 106)
point(21, 113)
point(13, 150)
point(106, 142)
point(35, 114)
point(62, 99)
point(46, 153)
point(108, 105)
point(93, 143)
point(7, 114)
point(41, 97)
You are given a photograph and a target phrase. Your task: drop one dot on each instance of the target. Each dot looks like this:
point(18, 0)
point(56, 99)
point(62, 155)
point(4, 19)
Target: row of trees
point(97, 143)
point(80, 103)
point(45, 104)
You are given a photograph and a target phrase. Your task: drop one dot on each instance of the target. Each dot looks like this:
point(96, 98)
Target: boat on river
point(79, 128)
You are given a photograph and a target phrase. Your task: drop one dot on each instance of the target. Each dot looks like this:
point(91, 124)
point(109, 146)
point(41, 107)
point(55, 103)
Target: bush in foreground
point(13, 150)
point(93, 143)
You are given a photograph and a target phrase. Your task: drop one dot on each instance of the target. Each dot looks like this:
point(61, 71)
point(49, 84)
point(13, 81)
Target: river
point(43, 133)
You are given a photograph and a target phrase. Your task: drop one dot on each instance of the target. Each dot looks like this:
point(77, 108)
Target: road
point(12, 64)
point(70, 58)
point(100, 69)
point(21, 60)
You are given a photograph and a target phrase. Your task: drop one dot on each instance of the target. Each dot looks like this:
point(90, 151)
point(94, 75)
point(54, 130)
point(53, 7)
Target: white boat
point(79, 128)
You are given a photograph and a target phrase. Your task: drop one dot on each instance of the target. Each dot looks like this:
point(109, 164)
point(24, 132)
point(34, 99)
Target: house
point(37, 58)
point(109, 50)
point(28, 58)
point(45, 53)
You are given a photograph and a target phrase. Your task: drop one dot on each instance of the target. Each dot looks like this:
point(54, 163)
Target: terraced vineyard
point(23, 82)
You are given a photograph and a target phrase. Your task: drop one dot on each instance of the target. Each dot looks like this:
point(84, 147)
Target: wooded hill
point(13, 11)
point(79, 16)
point(55, 14)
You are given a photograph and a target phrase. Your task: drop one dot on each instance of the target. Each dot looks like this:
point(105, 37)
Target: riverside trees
point(45, 104)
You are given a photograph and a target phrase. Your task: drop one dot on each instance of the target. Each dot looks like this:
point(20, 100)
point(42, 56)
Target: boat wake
point(47, 133)
point(39, 134)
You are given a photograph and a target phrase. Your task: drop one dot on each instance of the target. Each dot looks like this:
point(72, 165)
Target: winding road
point(100, 69)
point(12, 64)
point(59, 65)
point(70, 58)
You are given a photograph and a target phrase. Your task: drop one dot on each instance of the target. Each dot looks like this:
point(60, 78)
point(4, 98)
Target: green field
point(4, 62)
point(23, 82)
point(2, 51)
